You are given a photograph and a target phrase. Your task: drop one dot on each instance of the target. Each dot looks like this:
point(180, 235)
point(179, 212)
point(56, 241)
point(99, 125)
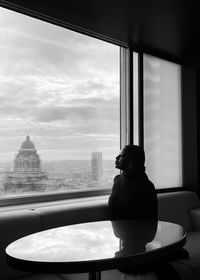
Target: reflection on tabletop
point(133, 236)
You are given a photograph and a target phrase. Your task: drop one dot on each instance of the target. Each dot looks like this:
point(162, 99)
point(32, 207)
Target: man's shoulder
point(151, 190)
point(149, 182)
point(118, 182)
point(118, 177)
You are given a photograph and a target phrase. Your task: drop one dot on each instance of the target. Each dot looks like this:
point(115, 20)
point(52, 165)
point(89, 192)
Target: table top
point(94, 246)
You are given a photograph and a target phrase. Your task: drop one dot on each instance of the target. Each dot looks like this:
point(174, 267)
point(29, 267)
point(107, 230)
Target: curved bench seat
point(178, 207)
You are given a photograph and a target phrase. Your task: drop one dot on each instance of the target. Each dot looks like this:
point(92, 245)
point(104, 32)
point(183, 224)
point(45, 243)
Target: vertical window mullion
point(130, 94)
point(126, 96)
point(123, 98)
point(135, 99)
point(141, 100)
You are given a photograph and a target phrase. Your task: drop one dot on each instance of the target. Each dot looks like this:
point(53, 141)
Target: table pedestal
point(95, 275)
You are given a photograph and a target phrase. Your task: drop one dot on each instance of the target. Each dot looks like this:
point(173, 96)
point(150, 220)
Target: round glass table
point(96, 246)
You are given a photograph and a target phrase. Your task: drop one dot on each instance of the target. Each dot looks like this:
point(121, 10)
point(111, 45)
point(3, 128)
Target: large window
point(59, 108)
point(68, 100)
point(162, 122)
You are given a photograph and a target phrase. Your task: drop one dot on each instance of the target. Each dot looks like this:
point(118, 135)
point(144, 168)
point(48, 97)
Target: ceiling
point(166, 28)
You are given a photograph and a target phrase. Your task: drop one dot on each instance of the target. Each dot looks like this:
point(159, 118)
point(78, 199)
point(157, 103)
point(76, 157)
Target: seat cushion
point(14, 225)
point(193, 243)
point(189, 267)
point(61, 215)
point(184, 271)
point(174, 207)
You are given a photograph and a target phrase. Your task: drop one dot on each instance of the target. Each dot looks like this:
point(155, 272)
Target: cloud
point(60, 86)
point(49, 114)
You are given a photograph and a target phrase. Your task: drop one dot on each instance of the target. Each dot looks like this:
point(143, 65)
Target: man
point(134, 197)
point(133, 194)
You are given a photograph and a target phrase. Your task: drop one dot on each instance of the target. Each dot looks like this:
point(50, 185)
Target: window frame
point(53, 196)
point(141, 107)
point(126, 107)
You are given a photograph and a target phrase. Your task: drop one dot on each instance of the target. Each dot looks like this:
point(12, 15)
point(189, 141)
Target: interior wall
point(189, 128)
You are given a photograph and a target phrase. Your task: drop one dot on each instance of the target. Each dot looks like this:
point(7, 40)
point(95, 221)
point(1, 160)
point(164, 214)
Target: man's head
point(131, 158)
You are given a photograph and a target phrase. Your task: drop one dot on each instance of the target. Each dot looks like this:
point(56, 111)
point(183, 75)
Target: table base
point(95, 275)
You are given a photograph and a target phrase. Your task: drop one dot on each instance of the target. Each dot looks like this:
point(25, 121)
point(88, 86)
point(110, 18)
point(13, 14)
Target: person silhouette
point(133, 195)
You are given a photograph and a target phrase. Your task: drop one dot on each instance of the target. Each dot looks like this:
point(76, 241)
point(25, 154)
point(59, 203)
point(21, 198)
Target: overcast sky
point(60, 87)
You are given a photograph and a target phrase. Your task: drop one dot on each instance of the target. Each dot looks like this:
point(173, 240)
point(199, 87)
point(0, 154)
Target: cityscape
point(64, 89)
point(27, 173)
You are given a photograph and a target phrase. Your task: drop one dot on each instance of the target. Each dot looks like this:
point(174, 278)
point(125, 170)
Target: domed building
point(27, 160)
point(27, 173)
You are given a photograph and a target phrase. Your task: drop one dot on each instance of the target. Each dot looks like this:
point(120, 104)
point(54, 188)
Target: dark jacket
point(133, 197)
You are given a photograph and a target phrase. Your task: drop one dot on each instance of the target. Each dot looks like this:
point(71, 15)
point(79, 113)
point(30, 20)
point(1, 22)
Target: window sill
point(31, 202)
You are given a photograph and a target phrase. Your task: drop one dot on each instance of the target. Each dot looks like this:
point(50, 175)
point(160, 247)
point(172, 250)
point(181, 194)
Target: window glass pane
point(162, 122)
point(59, 108)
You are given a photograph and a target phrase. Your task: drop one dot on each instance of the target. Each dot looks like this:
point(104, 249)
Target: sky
point(58, 86)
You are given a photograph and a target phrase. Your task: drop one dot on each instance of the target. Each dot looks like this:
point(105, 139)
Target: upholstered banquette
point(179, 207)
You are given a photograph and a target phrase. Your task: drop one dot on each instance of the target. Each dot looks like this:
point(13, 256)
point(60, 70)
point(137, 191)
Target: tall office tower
point(96, 166)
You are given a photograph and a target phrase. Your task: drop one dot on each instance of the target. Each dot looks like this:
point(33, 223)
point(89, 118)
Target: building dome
point(28, 144)
point(27, 174)
point(27, 159)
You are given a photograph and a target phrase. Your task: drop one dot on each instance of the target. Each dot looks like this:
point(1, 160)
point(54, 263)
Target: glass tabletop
point(101, 240)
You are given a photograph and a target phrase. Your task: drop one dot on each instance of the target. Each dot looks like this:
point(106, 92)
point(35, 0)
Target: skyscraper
point(96, 166)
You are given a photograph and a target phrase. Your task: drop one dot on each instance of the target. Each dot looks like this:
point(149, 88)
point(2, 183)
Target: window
point(67, 103)
point(59, 109)
point(162, 122)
